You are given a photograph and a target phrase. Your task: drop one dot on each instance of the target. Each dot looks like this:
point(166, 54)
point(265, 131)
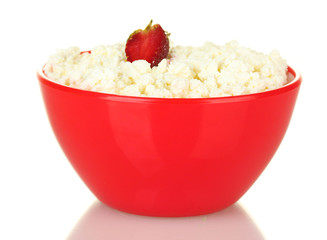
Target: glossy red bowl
point(168, 157)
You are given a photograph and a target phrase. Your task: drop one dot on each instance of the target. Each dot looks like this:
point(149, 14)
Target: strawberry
point(150, 44)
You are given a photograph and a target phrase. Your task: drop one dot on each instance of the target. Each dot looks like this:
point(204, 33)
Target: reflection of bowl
point(168, 157)
point(101, 222)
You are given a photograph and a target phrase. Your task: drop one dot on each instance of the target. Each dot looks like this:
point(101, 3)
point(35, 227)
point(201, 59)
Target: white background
point(41, 197)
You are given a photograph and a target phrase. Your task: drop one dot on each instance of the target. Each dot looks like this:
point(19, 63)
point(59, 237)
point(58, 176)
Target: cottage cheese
point(188, 72)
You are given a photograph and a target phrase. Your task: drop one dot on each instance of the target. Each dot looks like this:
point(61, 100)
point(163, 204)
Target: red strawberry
point(150, 44)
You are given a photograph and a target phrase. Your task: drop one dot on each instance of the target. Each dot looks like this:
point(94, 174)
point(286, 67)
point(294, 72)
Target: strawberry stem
point(149, 26)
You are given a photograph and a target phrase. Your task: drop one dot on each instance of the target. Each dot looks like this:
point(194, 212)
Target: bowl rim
point(294, 83)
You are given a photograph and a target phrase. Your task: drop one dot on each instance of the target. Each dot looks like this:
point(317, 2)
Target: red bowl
point(168, 157)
